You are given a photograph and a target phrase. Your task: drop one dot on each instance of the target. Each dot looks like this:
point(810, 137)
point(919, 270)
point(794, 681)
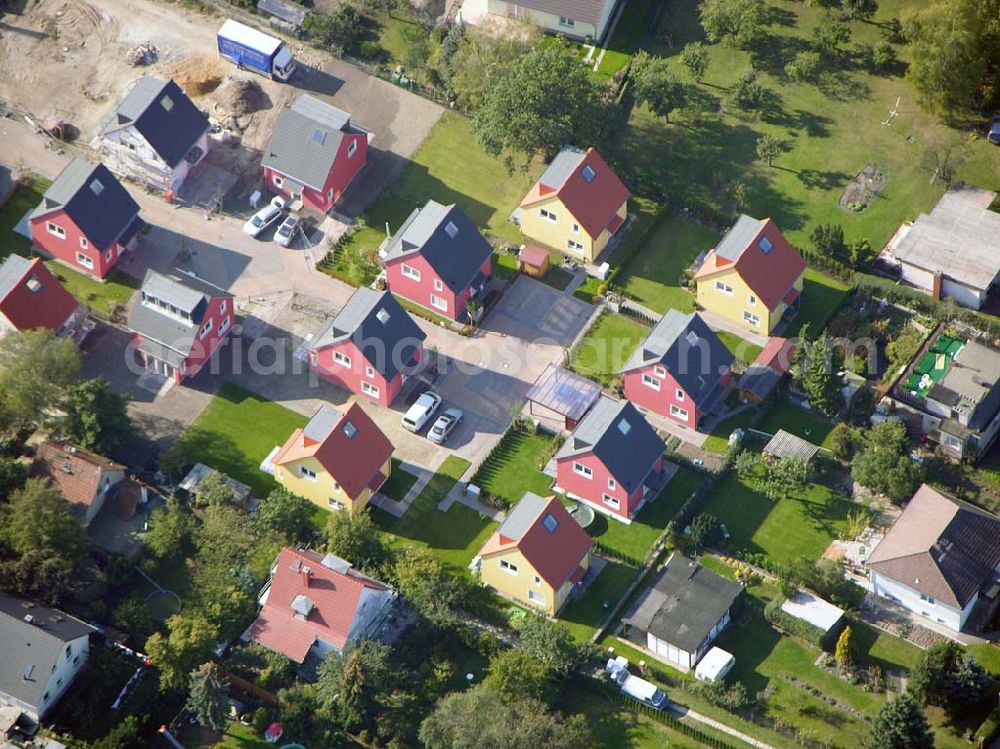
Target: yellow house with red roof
point(338, 461)
point(753, 277)
point(576, 206)
point(537, 555)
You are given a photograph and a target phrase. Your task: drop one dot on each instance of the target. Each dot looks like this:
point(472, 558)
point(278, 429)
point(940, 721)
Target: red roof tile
point(335, 597)
point(776, 354)
point(615, 223)
point(593, 204)
point(533, 255)
point(76, 472)
point(49, 305)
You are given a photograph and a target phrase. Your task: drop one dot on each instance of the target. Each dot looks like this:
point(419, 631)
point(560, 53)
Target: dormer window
point(588, 174)
point(382, 315)
point(765, 245)
point(692, 338)
point(167, 103)
point(350, 430)
point(33, 284)
point(96, 187)
point(624, 427)
point(451, 230)
point(550, 522)
point(319, 136)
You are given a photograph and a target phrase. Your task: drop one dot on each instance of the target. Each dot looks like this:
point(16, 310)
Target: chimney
point(936, 286)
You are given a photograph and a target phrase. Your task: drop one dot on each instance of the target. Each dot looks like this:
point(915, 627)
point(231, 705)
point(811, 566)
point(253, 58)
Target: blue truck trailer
point(255, 50)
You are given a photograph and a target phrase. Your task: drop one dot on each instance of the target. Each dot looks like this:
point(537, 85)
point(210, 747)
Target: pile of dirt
point(142, 54)
point(239, 97)
point(197, 75)
point(867, 185)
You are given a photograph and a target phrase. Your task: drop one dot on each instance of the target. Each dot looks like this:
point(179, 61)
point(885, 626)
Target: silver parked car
point(445, 425)
point(265, 217)
point(288, 229)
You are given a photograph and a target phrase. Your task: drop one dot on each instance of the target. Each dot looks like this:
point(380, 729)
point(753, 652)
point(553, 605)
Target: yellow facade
point(725, 293)
point(563, 232)
point(510, 573)
point(322, 490)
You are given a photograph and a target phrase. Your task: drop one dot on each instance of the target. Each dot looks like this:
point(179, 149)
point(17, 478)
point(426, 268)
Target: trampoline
point(163, 604)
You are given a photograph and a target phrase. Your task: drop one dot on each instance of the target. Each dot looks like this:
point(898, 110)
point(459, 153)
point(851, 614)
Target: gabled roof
point(31, 297)
point(940, 546)
point(787, 445)
point(684, 603)
point(582, 11)
point(691, 352)
point(32, 647)
point(762, 256)
point(306, 140)
point(348, 444)
point(546, 535)
point(95, 201)
point(76, 472)
point(445, 237)
point(164, 115)
point(585, 185)
point(620, 437)
point(384, 332)
point(326, 593)
point(184, 292)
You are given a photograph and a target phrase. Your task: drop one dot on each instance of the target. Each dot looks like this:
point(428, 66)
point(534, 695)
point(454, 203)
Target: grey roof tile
point(184, 291)
point(306, 140)
point(12, 270)
point(522, 516)
point(738, 238)
point(563, 165)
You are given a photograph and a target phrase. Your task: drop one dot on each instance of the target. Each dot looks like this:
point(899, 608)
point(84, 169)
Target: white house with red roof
point(32, 297)
point(315, 603)
point(576, 206)
point(753, 277)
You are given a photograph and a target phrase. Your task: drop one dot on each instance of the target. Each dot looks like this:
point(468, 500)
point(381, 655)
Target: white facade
point(921, 604)
point(924, 280)
point(682, 659)
point(129, 155)
point(570, 27)
point(71, 661)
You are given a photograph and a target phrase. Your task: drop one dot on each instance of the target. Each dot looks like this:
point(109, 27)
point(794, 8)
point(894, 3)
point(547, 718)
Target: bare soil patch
point(864, 188)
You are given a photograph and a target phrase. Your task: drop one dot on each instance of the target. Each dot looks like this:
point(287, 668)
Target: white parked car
point(445, 425)
point(265, 217)
point(421, 411)
point(288, 229)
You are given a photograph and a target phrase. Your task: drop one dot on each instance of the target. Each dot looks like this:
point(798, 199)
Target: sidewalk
point(686, 712)
point(424, 475)
point(457, 494)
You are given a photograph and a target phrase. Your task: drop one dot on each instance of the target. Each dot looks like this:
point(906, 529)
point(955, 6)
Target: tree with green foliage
point(842, 441)
point(49, 576)
point(884, 466)
point(831, 33)
point(169, 530)
point(747, 93)
point(706, 530)
point(844, 652)
point(946, 676)
point(817, 366)
point(883, 55)
point(655, 85)
point(539, 103)
point(769, 148)
point(970, 684)
point(746, 463)
point(785, 477)
point(224, 585)
point(900, 724)
point(13, 474)
point(694, 58)
point(514, 674)
point(339, 31)
point(96, 418)
point(480, 718)
point(189, 640)
point(214, 491)
point(738, 23)
point(434, 591)
point(356, 538)
point(37, 518)
point(36, 369)
point(861, 10)
point(285, 514)
point(828, 239)
point(550, 644)
point(349, 685)
point(125, 735)
point(208, 697)
point(804, 66)
point(481, 55)
point(954, 47)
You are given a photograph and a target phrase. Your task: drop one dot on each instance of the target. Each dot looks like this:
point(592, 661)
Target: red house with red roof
point(32, 297)
point(86, 219)
point(315, 604)
point(576, 206)
point(370, 347)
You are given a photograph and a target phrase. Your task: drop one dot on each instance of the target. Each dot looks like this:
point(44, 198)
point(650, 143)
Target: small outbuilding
point(815, 611)
point(763, 375)
point(200, 472)
point(787, 445)
point(533, 260)
point(716, 664)
point(561, 395)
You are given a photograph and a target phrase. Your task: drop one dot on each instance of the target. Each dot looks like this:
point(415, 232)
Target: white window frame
point(206, 329)
point(369, 370)
point(548, 215)
point(223, 306)
point(581, 470)
point(438, 286)
point(752, 300)
point(651, 382)
point(329, 194)
point(438, 302)
point(342, 359)
point(536, 597)
point(751, 318)
point(575, 228)
point(612, 502)
point(224, 326)
point(352, 148)
point(567, 23)
point(510, 569)
point(678, 412)
point(84, 244)
point(612, 485)
point(723, 288)
point(372, 391)
point(85, 260)
point(538, 580)
point(307, 473)
point(278, 181)
point(410, 272)
point(679, 395)
point(574, 246)
point(335, 504)
point(109, 255)
point(660, 371)
point(55, 230)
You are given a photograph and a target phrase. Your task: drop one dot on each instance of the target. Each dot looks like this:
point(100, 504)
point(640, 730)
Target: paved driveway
point(532, 311)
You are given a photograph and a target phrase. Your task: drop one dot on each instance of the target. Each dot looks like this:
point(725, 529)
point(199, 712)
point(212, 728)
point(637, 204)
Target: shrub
point(706, 530)
point(747, 92)
point(804, 66)
point(884, 55)
point(811, 634)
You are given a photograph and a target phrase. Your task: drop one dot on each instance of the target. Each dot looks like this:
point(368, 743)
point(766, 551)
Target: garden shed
point(815, 611)
point(787, 445)
point(533, 260)
point(562, 396)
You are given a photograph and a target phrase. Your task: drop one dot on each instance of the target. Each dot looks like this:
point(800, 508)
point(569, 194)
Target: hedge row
point(802, 629)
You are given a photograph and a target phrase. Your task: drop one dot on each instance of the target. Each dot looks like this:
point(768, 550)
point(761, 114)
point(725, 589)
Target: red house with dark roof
point(31, 297)
point(315, 604)
point(86, 219)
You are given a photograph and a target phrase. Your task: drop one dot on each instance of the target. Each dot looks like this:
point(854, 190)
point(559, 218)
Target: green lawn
point(398, 483)
point(718, 440)
point(744, 351)
point(585, 614)
point(785, 529)
point(455, 536)
point(635, 540)
point(235, 433)
point(653, 275)
point(23, 199)
point(607, 346)
point(237, 736)
point(805, 424)
point(356, 261)
point(821, 295)
point(514, 468)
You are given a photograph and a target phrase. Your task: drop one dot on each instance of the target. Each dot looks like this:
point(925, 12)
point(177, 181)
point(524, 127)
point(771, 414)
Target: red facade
point(359, 376)
point(429, 291)
point(343, 171)
point(600, 488)
point(653, 388)
point(199, 345)
point(56, 234)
